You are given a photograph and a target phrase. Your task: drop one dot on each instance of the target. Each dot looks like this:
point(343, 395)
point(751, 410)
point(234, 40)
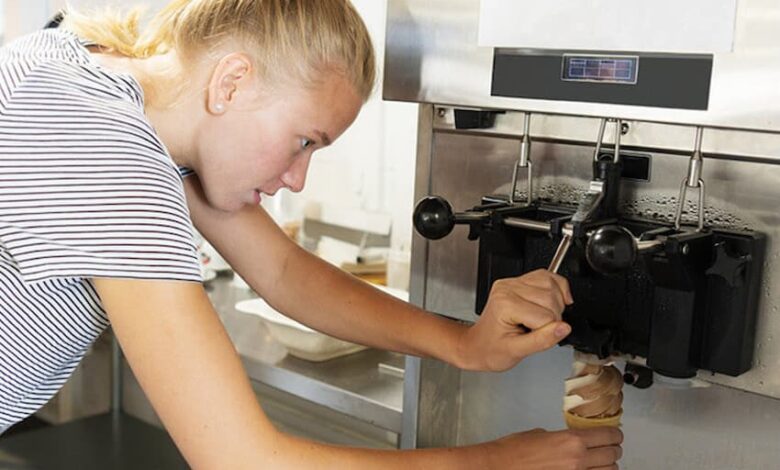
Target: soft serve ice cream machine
point(633, 148)
point(685, 297)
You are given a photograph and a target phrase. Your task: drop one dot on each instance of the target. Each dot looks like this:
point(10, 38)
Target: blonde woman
point(112, 143)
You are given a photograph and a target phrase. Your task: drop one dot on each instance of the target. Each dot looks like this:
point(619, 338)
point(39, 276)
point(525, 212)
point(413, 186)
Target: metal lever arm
point(560, 253)
point(588, 205)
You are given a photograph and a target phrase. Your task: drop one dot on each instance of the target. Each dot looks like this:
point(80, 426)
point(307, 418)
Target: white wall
point(23, 16)
point(370, 167)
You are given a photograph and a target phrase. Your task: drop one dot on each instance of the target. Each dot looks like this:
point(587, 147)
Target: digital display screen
point(604, 69)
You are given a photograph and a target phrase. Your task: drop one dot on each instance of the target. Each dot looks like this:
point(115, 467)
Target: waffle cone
point(577, 422)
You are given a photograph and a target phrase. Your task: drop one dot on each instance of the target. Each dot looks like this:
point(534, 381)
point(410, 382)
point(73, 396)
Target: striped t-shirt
point(87, 189)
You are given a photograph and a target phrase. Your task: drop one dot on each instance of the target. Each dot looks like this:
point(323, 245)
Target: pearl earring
point(219, 107)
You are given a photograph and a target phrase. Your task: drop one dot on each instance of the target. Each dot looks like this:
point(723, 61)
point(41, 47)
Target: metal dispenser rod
point(693, 180)
point(697, 162)
point(524, 162)
point(599, 139)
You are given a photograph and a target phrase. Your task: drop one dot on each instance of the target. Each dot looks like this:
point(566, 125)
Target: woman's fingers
point(527, 300)
point(601, 457)
point(601, 437)
point(540, 339)
point(547, 280)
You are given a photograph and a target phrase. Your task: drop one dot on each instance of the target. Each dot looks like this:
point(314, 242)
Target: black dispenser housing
point(690, 304)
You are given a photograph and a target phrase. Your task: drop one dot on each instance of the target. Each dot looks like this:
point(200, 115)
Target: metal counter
point(367, 385)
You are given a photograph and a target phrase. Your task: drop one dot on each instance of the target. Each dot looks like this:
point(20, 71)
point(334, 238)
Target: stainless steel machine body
point(432, 57)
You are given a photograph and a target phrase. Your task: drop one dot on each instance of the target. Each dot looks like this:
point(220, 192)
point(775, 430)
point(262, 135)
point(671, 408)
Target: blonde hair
point(304, 38)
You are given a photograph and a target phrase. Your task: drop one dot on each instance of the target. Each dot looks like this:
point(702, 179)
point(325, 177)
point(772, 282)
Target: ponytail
point(120, 33)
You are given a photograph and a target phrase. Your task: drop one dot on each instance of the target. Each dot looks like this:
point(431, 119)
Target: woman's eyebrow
point(323, 137)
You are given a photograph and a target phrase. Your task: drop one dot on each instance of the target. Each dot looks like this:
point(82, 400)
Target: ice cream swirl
point(594, 391)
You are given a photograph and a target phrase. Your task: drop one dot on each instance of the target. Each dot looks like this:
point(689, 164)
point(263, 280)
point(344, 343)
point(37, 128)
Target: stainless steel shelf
point(355, 385)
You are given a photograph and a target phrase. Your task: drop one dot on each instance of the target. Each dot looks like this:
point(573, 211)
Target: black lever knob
point(433, 217)
point(611, 249)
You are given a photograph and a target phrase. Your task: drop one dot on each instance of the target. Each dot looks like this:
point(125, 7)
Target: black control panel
point(679, 81)
point(600, 69)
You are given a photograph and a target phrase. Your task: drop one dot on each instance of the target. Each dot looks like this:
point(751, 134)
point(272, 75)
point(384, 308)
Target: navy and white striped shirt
point(87, 190)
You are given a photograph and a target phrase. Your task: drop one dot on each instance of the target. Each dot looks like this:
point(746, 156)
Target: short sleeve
point(86, 187)
point(185, 172)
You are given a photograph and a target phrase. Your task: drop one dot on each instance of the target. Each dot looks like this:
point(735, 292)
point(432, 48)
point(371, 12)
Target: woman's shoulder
point(43, 44)
point(57, 66)
point(62, 93)
point(61, 61)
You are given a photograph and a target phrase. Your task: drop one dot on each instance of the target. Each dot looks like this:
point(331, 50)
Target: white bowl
point(300, 340)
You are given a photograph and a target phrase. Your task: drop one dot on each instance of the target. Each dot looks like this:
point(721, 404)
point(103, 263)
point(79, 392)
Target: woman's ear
point(232, 74)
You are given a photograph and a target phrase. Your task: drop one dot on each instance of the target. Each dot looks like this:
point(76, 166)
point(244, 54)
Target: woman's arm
point(186, 364)
point(329, 300)
point(190, 371)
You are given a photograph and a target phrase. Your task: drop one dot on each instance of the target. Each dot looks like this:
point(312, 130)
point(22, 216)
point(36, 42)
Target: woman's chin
point(227, 204)
point(232, 201)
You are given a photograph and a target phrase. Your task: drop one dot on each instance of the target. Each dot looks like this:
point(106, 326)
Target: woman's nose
point(295, 176)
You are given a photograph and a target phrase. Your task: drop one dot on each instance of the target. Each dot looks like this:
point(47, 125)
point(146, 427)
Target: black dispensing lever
point(435, 219)
point(610, 249)
point(600, 199)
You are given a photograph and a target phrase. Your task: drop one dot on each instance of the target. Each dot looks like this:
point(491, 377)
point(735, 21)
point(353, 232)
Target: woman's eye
point(306, 143)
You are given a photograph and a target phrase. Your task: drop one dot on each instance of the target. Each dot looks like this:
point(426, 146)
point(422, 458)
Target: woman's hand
point(522, 317)
point(183, 358)
point(597, 448)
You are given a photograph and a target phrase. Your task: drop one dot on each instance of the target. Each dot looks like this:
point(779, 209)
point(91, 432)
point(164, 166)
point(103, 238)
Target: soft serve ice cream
point(594, 395)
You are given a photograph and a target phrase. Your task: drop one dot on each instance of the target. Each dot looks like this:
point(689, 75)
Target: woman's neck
point(169, 102)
